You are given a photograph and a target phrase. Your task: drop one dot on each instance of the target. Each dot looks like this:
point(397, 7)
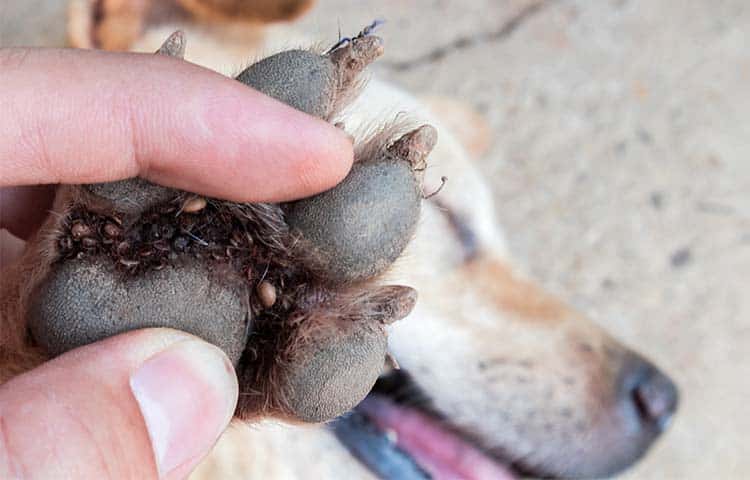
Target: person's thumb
point(146, 404)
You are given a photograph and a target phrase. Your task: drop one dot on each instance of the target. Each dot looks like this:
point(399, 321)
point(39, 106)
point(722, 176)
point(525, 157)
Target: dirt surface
point(619, 160)
point(40, 23)
point(620, 165)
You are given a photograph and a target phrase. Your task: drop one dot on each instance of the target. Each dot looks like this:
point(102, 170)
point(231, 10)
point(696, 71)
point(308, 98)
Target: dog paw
point(288, 291)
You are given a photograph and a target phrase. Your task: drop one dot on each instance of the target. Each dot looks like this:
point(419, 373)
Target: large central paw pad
point(288, 291)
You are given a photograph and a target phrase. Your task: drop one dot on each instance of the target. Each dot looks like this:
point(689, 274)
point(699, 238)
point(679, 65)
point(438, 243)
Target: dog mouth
point(396, 434)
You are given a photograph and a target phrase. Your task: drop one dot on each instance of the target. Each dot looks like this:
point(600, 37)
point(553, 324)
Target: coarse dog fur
point(502, 362)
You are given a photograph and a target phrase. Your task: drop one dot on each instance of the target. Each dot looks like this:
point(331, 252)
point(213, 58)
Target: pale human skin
point(150, 403)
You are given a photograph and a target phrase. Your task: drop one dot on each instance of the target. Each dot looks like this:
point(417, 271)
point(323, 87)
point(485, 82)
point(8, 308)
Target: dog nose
point(656, 397)
point(652, 395)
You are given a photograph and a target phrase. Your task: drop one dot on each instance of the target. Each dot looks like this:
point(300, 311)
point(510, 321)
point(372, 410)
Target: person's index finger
point(74, 116)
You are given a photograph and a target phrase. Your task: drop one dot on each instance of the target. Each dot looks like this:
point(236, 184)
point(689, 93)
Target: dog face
point(528, 379)
point(494, 360)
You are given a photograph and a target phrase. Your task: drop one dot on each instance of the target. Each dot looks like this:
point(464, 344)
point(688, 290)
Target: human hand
point(149, 403)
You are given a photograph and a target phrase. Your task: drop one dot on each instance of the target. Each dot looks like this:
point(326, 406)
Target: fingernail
point(187, 395)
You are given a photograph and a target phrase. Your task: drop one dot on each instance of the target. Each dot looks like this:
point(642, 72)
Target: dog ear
point(260, 11)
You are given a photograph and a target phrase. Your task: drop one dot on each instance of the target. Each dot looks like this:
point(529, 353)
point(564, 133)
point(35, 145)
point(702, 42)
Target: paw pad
point(288, 291)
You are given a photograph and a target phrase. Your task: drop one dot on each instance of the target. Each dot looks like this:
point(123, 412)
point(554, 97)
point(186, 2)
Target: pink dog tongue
point(441, 453)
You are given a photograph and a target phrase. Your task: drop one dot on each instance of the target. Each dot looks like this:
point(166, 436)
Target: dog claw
point(352, 58)
point(415, 146)
point(390, 362)
point(173, 46)
point(391, 303)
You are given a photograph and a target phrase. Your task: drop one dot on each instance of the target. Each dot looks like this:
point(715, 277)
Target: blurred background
point(617, 147)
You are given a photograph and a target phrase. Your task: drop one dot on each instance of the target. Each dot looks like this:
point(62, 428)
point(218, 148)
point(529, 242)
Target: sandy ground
point(620, 164)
